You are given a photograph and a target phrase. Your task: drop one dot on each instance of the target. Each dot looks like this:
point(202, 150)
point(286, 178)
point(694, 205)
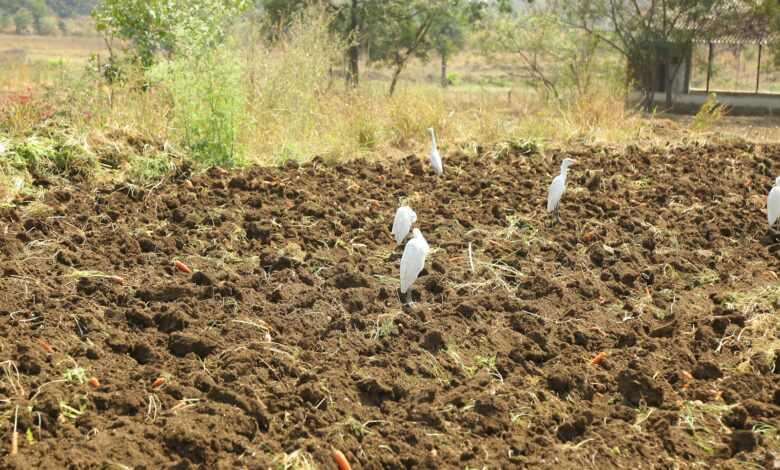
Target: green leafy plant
point(208, 99)
point(70, 412)
point(75, 374)
point(710, 113)
point(204, 79)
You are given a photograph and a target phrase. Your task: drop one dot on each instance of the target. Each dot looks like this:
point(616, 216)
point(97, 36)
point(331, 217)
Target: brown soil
point(290, 338)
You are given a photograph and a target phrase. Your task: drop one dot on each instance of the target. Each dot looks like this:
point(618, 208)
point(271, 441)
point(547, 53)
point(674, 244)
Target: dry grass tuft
point(762, 329)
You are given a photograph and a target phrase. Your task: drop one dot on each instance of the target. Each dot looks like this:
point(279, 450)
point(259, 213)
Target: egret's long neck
point(433, 139)
point(564, 171)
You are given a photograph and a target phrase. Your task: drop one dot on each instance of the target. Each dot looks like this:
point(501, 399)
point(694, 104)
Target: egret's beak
point(574, 162)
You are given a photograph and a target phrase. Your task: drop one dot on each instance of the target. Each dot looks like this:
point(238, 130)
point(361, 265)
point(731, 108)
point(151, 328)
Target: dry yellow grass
point(33, 48)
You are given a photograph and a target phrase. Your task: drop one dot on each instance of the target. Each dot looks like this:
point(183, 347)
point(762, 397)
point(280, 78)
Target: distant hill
point(47, 17)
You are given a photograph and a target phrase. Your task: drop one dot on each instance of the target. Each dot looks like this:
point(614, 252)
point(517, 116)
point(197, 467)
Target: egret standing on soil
point(435, 157)
point(773, 204)
point(404, 218)
point(413, 262)
point(557, 188)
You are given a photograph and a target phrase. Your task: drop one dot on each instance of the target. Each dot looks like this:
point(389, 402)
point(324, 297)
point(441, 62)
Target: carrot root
point(599, 359)
point(341, 460)
point(45, 345)
point(182, 267)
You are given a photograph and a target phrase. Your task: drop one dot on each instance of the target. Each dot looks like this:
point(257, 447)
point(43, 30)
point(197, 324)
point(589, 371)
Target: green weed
point(710, 113)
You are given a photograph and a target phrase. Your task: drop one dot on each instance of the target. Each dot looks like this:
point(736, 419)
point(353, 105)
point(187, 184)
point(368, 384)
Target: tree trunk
point(353, 73)
point(668, 78)
point(650, 68)
point(647, 80)
point(444, 80)
point(399, 66)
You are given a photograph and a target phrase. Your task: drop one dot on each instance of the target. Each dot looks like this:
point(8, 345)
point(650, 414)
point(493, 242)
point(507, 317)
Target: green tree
point(147, 24)
point(391, 31)
point(23, 19)
point(400, 30)
point(448, 35)
point(154, 26)
point(39, 10)
point(5, 20)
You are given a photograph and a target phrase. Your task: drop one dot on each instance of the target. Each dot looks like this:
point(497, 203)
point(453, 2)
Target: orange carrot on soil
point(182, 267)
point(341, 460)
point(14, 443)
point(45, 345)
point(599, 358)
point(159, 382)
point(93, 382)
point(15, 434)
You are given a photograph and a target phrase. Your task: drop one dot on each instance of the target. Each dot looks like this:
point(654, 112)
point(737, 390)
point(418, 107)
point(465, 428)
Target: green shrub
point(145, 169)
point(48, 26)
point(710, 113)
point(23, 20)
point(57, 156)
point(208, 99)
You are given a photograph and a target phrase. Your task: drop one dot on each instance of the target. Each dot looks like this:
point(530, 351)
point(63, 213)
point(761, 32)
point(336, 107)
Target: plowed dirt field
point(641, 332)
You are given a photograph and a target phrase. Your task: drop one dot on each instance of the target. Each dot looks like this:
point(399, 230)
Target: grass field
point(45, 48)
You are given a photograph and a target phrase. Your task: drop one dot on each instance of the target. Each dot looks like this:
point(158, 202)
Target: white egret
point(413, 261)
point(773, 203)
point(558, 187)
point(435, 157)
point(404, 218)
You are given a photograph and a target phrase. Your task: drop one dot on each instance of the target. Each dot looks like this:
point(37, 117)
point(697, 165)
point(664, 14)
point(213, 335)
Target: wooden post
point(758, 68)
point(709, 67)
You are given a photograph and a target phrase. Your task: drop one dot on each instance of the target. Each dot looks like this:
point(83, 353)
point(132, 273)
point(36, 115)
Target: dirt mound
point(290, 338)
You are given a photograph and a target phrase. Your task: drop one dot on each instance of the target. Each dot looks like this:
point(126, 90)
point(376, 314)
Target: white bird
point(435, 157)
point(413, 261)
point(404, 218)
point(558, 187)
point(773, 203)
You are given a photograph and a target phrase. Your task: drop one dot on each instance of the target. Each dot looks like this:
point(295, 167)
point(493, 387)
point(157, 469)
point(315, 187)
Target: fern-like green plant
point(710, 113)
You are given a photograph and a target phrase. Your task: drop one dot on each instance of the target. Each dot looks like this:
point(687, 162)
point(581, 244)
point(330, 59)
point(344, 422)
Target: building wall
point(739, 103)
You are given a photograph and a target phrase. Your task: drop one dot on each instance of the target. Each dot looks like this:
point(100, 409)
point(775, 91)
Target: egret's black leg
point(556, 216)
